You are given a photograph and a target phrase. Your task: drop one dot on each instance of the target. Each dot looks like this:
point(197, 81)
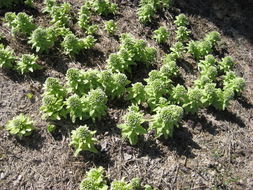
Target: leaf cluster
point(82, 139)
point(103, 7)
point(131, 128)
point(27, 63)
point(161, 35)
point(20, 125)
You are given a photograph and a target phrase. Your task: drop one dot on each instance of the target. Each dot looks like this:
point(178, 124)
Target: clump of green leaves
point(193, 101)
point(200, 49)
point(103, 7)
point(75, 107)
point(178, 95)
point(95, 103)
point(20, 24)
point(71, 44)
point(170, 70)
point(131, 128)
point(6, 57)
point(182, 34)
point(131, 51)
point(137, 93)
point(82, 139)
point(121, 185)
point(51, 128)
point(42, 39)
point(111, 27)
point(20, 125)
point(53, 106)
point(166, 119)
point(177, 49)
point(148, 8)
point(181, 20)
point(161, 35)
point(94, 179)
point(27, 63)
point(233, 82)
point(60, 13)
point(226, 64)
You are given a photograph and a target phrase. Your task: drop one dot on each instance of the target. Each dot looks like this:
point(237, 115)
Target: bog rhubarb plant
point(20, 24)
point(181, 20)
point(226, 64)
point(161, 35)
point(76, 108)
point(94, 179)
point(27, 63)
point(131, 128)
point(111, 27)
point(137, 93)
point(165, 120)
point(20, 126)
point(193, 101)
point(42, 39)
point(82, 140)
point(182, 34)
point(7, 57)
point(103, 7)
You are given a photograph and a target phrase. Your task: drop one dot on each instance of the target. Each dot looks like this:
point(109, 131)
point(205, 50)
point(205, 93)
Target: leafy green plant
point(233, 82)
point(6, 57)
point(121, 185)
point(212, 37)
point(71, 45)
point(178, 95)
point(84, 17)
point(49, 5)
point(199, 49)
point(82, 139)
point(27, 63)
point(53, 106)
point(29, 3)
point(226, 64)
point(80, 82)
point(178, 49)
point(223, 98)
point(181, 20)
point(182, 34)
point(42, 39)
point(21, 126)
point(161, 35)
point(137, 93)
point(111, 27)
point(20, 23)
point(94, 179)
point(76, 108)
point(131, 128)
point(104, 7)
point(95, 103)
point(193, 102)
point(166, 119)
point(170, 70)
point(88, 42)
point(60, 13)
point(51, 128)
point(169, 58)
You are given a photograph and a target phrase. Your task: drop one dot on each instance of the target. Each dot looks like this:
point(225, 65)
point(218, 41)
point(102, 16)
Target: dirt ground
point(211, 150)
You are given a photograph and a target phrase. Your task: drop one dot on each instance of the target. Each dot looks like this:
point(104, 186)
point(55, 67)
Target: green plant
point(111, 27)
point(199, 49)
point(27, 63)
point(137, 93)
point(193, 101)
point(161, 35)
point(95, 103)
point(169, 58)
point(226, 64)
point(104, 7)
point(181, 20)
point(165, 119)
point(60, 13)
point(20, 23)
point(6, 57)
point(121, 185)
point(88, 42)
point(51, 128)
point(222, 98)
point(20, 125)
point(52, 86)
point(170, 70)
point(42, 39)
point(71, 45)
point(94, 180)
point(82, 139)
point(131, 128)
point(84, 17)
point(212, 37)
point(182, 34)
point(29, 3)
point(76, 108)
point(49, 5)
point(178, 95)
point(178, 49)
point(233, 82)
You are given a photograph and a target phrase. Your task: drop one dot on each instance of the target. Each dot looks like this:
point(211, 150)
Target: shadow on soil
point(233, 17)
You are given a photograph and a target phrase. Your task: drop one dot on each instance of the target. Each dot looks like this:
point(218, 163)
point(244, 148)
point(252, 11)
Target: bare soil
point(210, 150)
